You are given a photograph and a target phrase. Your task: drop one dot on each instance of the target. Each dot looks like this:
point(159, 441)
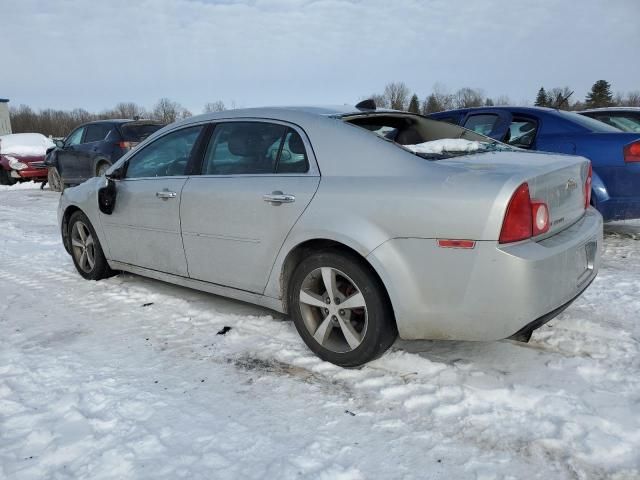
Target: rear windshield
point(426, 138)
point(136, 132)
point(588, 123)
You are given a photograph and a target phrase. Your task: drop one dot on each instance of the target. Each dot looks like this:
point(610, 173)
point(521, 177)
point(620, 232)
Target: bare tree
point(468, 97)
point(396, 95)
point(380, 100)
point(632, 99)
point(217, 106)
point(166, 111)
point(129, 110)
point(502, 100)
point(560, 98)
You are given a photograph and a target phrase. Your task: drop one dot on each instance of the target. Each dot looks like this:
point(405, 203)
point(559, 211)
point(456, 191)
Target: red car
point(22, 157)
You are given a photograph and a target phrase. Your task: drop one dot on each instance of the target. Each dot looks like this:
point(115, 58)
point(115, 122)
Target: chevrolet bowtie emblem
point(571, 184)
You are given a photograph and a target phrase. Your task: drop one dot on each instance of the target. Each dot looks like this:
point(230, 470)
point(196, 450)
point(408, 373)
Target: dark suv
point(91, 148)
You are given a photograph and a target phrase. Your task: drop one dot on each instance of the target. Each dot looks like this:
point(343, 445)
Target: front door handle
point(166, 194)
point(278, 198)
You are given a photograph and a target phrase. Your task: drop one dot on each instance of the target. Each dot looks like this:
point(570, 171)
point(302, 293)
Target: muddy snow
point(129, 378)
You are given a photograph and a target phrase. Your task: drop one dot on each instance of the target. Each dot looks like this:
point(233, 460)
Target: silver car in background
point(360, 224)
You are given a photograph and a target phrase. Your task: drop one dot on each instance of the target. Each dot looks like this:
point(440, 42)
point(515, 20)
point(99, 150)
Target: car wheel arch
point(303, 249)
point(64, 226)
point(98, 162)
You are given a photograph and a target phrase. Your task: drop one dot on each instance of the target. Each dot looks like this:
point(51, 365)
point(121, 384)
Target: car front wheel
point(55, 180)
point(341, 309)
point(86, 250)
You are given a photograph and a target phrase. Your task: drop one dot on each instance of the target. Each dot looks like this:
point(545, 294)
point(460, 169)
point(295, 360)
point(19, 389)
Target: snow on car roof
point(25, 144)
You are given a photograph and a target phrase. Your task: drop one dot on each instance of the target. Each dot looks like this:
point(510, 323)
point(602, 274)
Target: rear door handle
point(166, 194)
point(278, 198)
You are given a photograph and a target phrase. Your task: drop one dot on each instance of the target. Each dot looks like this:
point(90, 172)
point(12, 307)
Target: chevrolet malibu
point(360, 224)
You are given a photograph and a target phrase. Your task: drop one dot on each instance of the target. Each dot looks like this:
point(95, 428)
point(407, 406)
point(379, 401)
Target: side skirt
point(242, 295)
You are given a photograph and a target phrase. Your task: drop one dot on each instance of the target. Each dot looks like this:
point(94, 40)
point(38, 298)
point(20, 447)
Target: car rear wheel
point(55, 180)
point(340, 309)
point(86, 250)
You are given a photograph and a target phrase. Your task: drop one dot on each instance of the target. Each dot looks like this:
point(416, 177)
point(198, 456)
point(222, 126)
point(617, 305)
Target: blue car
point(615, 155)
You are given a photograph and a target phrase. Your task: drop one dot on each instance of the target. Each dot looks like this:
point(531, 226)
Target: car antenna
point(368, 104)
point(562, 100)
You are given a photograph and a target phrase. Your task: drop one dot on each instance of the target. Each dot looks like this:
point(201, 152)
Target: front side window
point(97, 132)
point(482, 124)
point(167, 156)
point(75, 138)
point(241, 148)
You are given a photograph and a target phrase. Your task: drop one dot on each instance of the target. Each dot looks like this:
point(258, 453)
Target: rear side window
point(481, 123)
point(293, 156)
point(246, 148)
point(165, 157)
point(97, 132)
point(522, 132)
point(624, 123)
point(136, 132)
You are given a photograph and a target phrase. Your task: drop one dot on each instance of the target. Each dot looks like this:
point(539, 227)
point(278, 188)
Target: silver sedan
point(360, 224)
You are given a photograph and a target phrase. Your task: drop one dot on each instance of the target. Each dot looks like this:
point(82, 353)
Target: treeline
point(398, 96)
point(59, 123)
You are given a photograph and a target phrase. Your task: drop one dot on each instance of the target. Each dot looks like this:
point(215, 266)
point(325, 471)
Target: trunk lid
point(558, 180)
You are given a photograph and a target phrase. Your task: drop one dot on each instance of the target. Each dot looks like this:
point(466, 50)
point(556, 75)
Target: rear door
point(144, 228)
point(256, 179)
point(89, 149)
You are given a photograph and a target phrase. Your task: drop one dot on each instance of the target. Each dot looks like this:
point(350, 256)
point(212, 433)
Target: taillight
point(632, 152)
point(517, 224)
point(127, 145)
point(540, 215)
point(525, 218)
point(587, 187)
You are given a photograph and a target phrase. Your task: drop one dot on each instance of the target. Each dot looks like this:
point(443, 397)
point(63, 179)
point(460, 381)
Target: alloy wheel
point(333, 309)
point(83, 246)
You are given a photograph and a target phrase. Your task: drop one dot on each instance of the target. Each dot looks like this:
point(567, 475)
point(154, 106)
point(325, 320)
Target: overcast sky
point(93, 54)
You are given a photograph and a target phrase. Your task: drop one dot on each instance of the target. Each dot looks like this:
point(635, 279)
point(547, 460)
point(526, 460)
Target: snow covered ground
point(127, 378)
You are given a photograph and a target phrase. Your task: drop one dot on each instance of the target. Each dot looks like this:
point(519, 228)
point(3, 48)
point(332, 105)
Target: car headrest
point(242, 144)
point(296, 145)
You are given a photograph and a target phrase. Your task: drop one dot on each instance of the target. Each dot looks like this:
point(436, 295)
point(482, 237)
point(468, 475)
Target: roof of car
point(500, 107)
point(287, 112)
point(611, 109)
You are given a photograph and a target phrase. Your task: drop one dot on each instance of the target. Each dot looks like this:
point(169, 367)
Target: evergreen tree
point(414, 104)
point(542, 99)
point(488, 102)
point(431, 105)
point(600, 95)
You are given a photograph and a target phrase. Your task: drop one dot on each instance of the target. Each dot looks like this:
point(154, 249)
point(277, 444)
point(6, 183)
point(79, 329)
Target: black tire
point(100, 268)
point(55, 180)
point(379, 328)
point(5, 178)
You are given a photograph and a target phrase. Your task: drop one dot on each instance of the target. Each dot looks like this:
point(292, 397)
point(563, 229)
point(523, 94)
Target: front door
point(67, 156)
point(144, 228)
point(256, 181)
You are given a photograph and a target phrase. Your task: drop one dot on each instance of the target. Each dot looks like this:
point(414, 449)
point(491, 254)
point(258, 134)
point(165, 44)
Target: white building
point(5, 121)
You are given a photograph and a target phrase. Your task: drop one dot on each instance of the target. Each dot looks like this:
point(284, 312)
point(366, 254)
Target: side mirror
point(59, 143)
point(107, 197)
point(117, 174)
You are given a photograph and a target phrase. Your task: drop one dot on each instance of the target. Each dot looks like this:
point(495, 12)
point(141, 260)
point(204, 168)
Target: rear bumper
point(618, 208)
point(489, 292)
